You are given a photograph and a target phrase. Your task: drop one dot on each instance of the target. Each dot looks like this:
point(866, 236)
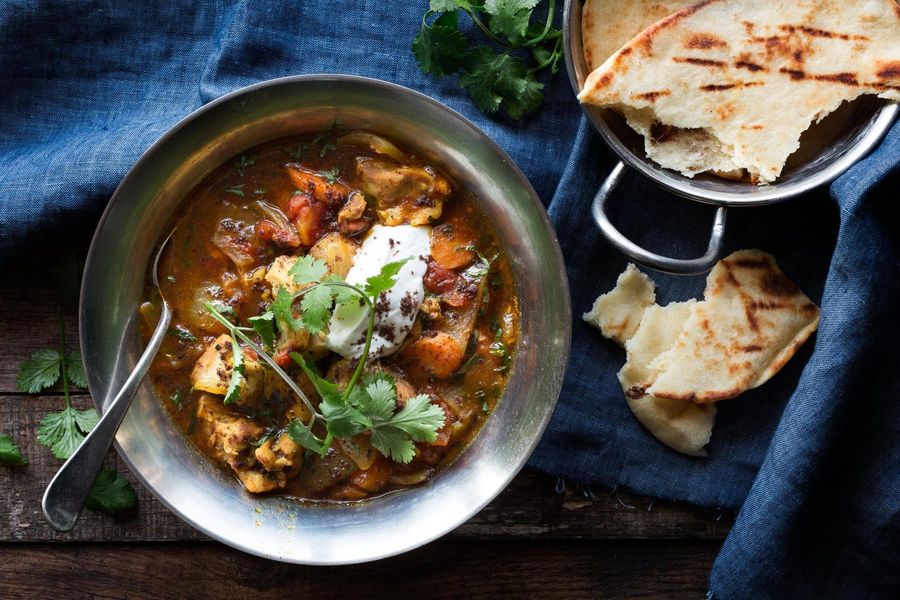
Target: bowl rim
point(878, 126)
point(536, 205)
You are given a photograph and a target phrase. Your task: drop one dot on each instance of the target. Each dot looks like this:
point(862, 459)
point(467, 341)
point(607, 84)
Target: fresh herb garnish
point(111, 493)
point(495, 80)
point(247, 160)
point(260, 191)
point(176, 400)
point(64, 431)
point(237, 190)
point(499, 349)
point(264, 326)
point(236, 383)
point(9, 452)
point(367, 403)
point(331, 176)
point(180, 332)
point(61, 431)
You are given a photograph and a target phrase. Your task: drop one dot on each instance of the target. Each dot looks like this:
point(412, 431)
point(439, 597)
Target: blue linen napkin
point(811, 459)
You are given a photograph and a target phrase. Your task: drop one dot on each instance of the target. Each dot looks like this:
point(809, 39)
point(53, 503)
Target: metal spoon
point(65, 496)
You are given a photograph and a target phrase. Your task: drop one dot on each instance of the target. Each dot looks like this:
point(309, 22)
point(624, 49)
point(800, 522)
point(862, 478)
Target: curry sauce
point(320, 195)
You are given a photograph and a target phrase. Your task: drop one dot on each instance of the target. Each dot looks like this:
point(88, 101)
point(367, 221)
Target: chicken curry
point(344, 318)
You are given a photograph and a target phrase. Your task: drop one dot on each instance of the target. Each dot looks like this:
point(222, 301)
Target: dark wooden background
point(539, 538)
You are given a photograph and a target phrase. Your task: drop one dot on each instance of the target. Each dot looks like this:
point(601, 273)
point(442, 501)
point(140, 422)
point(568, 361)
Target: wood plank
point(530, 507)
point(572, 570)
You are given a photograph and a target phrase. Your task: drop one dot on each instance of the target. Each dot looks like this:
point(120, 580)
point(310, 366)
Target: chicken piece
point(282, 454)
point(212, 372)
point(316, 186)
point(352, 219)
point(403, 193)
point(336, 251)
point(278, 276)
point(229, 438)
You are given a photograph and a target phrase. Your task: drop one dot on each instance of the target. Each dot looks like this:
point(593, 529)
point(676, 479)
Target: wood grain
point(447, 569)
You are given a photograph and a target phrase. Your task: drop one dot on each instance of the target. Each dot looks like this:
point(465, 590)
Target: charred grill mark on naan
point(752, 320)
point(810, 56)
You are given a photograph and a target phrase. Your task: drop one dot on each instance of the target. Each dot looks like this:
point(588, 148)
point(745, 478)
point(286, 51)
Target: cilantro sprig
point(64, 430)
point(367, 403)
point(495, 79)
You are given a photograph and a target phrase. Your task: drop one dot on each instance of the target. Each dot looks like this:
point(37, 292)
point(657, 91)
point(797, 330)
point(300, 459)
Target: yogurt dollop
point(395, 309)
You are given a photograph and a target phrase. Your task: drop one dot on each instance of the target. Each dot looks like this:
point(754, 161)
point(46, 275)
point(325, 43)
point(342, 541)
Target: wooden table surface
point(539, 538)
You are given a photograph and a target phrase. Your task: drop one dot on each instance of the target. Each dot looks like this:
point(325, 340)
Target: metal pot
point(863, 124)
point(162, 457)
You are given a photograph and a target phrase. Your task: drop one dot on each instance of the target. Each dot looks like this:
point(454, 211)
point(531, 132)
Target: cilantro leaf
point(500, 80)
point(323, 386)
point(39, 372)
point(75, 369)
point(394, 444)
point(439, 48)
point(64, 431)
point(180, 332)
point(380, 399)
point(342, 420)
point(237, 373)
point(419, 418)
point(304, 437)
point(510, 17)
point(282, 308)
point(111, 493)
point(332, 175)
point(307, 269)
point(316, 307)
point(264, 326)
point(385, 279)
point(9, 452)
point(237, 190)
point(527, 101)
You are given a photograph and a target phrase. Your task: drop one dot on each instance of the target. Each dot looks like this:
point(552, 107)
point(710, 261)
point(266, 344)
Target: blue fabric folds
point(811, 459)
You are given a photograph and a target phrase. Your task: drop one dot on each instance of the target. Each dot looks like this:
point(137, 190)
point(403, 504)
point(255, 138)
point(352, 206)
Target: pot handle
point(676, 266)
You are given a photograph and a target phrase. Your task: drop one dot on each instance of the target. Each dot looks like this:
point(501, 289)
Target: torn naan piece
point(747, 78)
point(683, 426)
point(617, 313)
point(751, 322)
point(606, 25)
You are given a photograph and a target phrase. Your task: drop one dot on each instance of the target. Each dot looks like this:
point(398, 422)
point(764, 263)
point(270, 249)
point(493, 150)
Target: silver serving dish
point(827, 150)
point(192, 486)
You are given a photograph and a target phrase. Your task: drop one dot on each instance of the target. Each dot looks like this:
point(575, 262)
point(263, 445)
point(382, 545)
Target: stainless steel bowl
point(187, 482)
point(839, 141)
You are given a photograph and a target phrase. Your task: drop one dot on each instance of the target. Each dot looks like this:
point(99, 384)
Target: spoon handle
point(65, 496)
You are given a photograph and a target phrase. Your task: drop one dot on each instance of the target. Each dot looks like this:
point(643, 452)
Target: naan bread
point(749, 77)
point(683, 426)
point(751, 322)
point(617, 313)
point(606, 25)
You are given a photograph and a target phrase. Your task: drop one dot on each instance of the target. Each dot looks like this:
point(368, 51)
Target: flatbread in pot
point(607, 25)
point(751, 75)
